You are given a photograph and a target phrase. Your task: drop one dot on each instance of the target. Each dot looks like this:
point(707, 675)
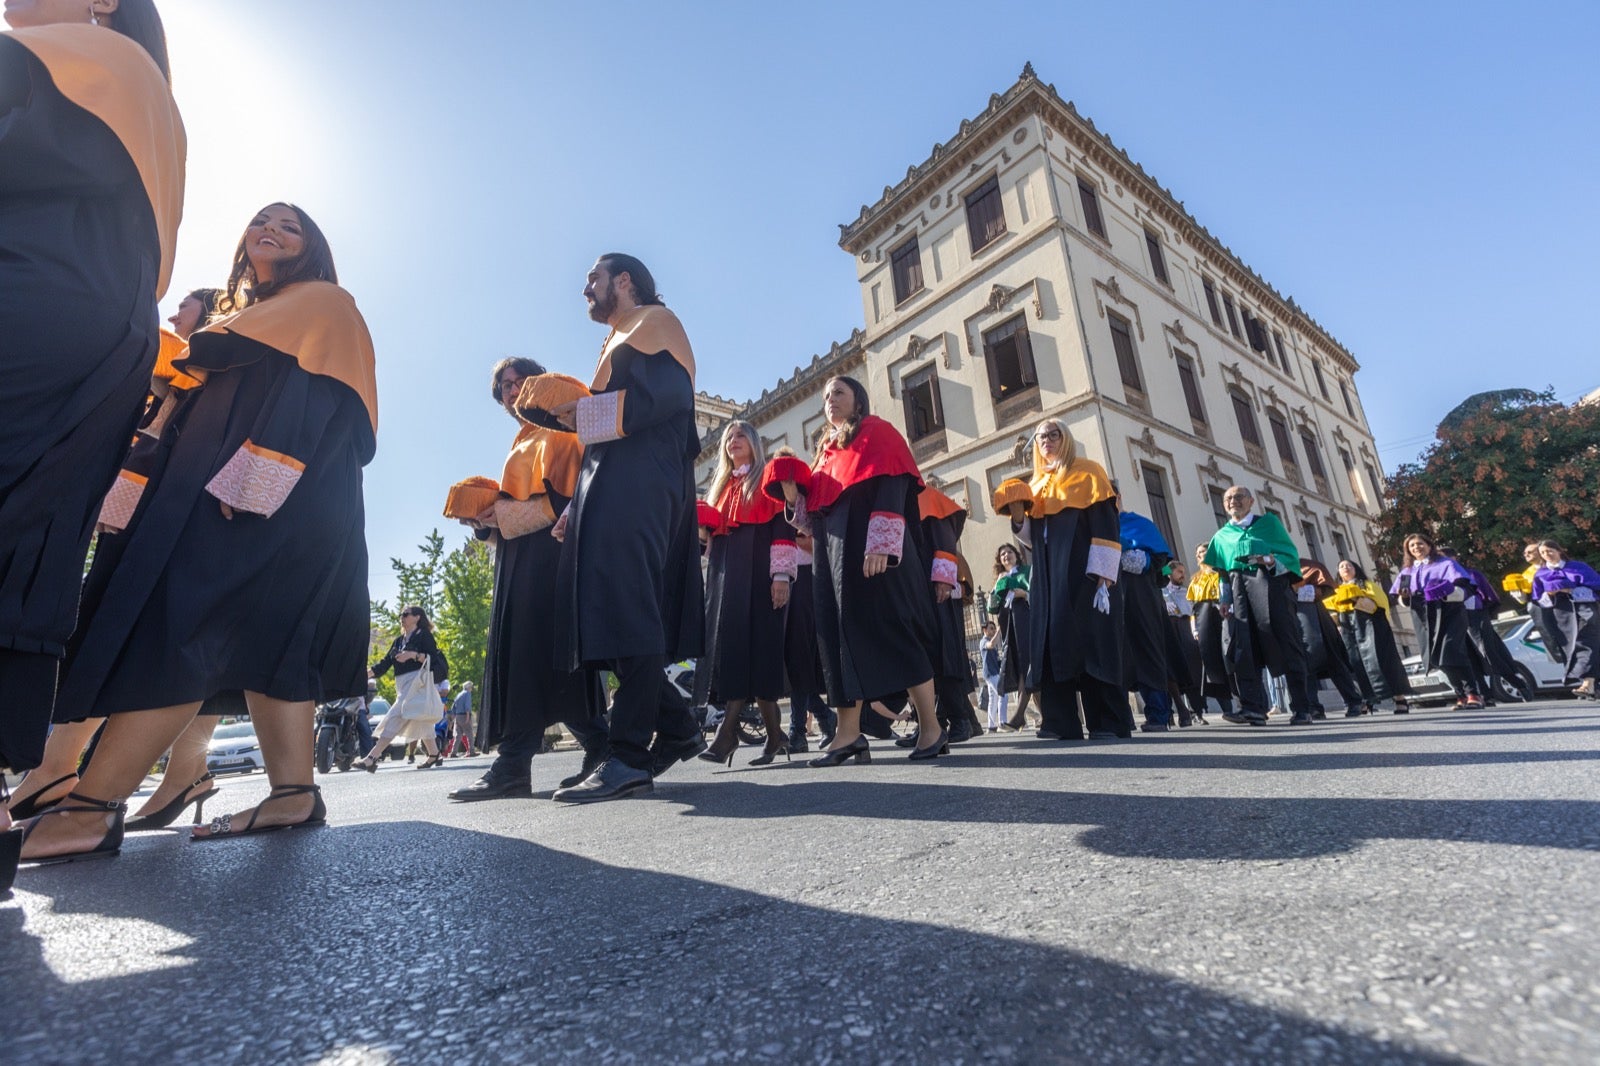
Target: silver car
point(1534, 668)
point(234, 750)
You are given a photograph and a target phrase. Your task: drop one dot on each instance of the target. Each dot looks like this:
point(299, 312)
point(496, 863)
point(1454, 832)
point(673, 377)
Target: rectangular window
point(1350, 474)
point(1344, 391)
point(1091, 208)
point(1377, 487)
point(1322, 382)
point(1277, 341)
point(1341, 546)
point(986, 215)
point(923, 405)
point(1313, 455)
point(1155, 490)
point(1280, 438)
point(1233, 321)
point(1313, 546)
point(1158, 262)
point(1127, 358)
point(1219, 512)
point(1248, 428)
point(1191, 390)
point(1211, 302)
point(905, 265)
point(1256, 335)
point(1009, 355)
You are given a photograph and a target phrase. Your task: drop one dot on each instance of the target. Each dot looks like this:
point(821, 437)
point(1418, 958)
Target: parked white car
point(1522, 639)
point(234, 750)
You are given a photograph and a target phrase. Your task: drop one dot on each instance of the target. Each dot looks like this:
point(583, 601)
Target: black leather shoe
point(490, 787)
point(591, 763)
point(614, 779)
point(1049, 734)
point(1236, 719)
point(940, 746)
point(1301, 719)
point(665, 754)
point(1155, 727)
point(798, 745)
point(907, 741)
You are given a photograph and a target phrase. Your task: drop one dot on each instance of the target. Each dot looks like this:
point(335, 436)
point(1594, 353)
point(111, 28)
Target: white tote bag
point(416, 696)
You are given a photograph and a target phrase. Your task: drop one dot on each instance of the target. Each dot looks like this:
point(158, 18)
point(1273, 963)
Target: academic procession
point(216, 470)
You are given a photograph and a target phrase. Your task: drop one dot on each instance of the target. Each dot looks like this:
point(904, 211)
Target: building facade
point(1029, 269)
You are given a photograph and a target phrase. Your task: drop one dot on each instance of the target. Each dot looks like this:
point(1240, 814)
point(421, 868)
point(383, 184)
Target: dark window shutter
point(1030, 376)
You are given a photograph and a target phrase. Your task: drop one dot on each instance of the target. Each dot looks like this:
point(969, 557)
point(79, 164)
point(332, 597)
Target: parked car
point(1536, 673)
point(234, 750)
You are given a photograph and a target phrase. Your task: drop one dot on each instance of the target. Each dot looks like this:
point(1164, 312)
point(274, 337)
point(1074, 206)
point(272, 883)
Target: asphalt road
point(1418, 889)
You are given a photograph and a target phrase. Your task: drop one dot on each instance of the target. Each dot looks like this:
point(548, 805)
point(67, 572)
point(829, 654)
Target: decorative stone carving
point(1021, 453)
point(1112, 288)
point(1019, 136)
point(914, 346)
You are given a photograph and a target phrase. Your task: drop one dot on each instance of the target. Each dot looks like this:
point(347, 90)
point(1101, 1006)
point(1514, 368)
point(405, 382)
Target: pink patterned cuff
point(518, 518)
point(1105, 558)
point(600, 418)
point(785, 559)
point(256, 479)
point(944, 569)
point(886, 534)
point(116, 511)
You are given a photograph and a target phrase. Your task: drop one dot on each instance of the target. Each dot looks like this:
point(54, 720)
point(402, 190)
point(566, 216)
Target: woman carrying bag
point(417, 707)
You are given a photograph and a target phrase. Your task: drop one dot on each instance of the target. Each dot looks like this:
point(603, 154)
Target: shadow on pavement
point(1177, 827)
point(455, 946)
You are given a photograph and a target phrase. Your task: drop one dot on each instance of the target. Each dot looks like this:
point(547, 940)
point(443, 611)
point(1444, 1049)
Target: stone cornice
point(794, 389)
point(1030, 96)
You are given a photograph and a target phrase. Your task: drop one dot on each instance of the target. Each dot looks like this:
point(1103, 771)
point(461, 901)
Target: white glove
point(1102, 599)
point(1134, 561)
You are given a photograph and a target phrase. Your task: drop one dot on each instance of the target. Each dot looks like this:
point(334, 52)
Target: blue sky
point(1419, 176)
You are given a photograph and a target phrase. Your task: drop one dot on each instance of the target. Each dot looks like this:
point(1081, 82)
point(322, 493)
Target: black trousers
point(1264, 618)
point(803, 703)
point(1105, 708)
point(514, 755)
point(645, 705)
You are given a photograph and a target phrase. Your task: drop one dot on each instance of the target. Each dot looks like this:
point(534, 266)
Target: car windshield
point(234, 732)
point(1506, 626)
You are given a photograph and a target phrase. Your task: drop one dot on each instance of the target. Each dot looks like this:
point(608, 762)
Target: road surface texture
point(1392, 889)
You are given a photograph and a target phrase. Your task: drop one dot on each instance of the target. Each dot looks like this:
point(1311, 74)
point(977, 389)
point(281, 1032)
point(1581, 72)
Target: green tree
point(456, 588)
point(1507, 468)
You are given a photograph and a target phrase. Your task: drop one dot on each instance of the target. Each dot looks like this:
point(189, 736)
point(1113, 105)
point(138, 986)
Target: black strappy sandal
point(222, 828)
point(160, 819)
point(109, 844)
point(31, 806)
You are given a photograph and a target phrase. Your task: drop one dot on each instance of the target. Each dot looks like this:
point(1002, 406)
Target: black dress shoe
point(665, 754)
point(491, 787)
point(907, 741)
point(798, 745)
point(1155, 727)
point(614, 779)
point(1049, 734)
point(1301, 719)
point(591, 763)
point(1236, 719)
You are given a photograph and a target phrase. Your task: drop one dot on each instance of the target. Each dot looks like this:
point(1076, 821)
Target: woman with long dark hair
point(875, 622)
point(91, 190)
point(1435, 587)
point(1008, 602)
point(246, 561)
point(1361, 611)
point(1570, 589)
point(417, 707)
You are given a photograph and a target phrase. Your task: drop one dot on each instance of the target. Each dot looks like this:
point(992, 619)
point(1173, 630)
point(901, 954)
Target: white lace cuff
point(256, 479)
point(1105, 558)
point(518, 518)
point(784, 559)
point(944, 569)
point(886, 534)
point(116, 511)
point(599, 418)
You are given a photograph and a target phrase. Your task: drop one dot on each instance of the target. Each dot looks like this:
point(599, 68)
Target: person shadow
point(416, 942)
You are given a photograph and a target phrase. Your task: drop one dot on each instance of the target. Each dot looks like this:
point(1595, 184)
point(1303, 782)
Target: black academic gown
point(745, 637)
point(874, 633)
point(1068, 639)
point(629, 574)
point(79, 262)
point(1369, 643)
point(802, 664)
point(1146, 631)
point(524, 691)
point(199, 603)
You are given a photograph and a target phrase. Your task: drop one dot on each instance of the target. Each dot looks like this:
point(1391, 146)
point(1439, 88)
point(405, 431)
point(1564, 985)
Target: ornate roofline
point(797, 386)
point(1030, 96)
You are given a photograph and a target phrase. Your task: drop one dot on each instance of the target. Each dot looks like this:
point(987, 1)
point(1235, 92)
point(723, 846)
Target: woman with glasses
point(1075, 639)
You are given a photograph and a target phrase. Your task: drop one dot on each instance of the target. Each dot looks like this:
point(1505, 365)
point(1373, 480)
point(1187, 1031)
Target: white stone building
point(1028, 268)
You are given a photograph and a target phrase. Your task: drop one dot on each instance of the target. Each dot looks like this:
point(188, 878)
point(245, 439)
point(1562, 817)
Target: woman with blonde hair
point(751, 561)
point(1075, 642)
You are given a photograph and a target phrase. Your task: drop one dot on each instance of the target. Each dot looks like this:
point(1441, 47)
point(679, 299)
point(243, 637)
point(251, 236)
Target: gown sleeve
point(518, 518)
point(1105, 540)
point(886, 525)
point(946, 567)
point(259, 477)
point(383, 665)
point(783, 558)
point(657, 389)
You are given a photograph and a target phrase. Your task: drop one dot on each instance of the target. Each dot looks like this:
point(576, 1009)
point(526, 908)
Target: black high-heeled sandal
point(109, 844)
point(857, 749)
point(767, 756)
point(222, 828)
point(433, 760)
point(167, 815)
point(31, 807)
